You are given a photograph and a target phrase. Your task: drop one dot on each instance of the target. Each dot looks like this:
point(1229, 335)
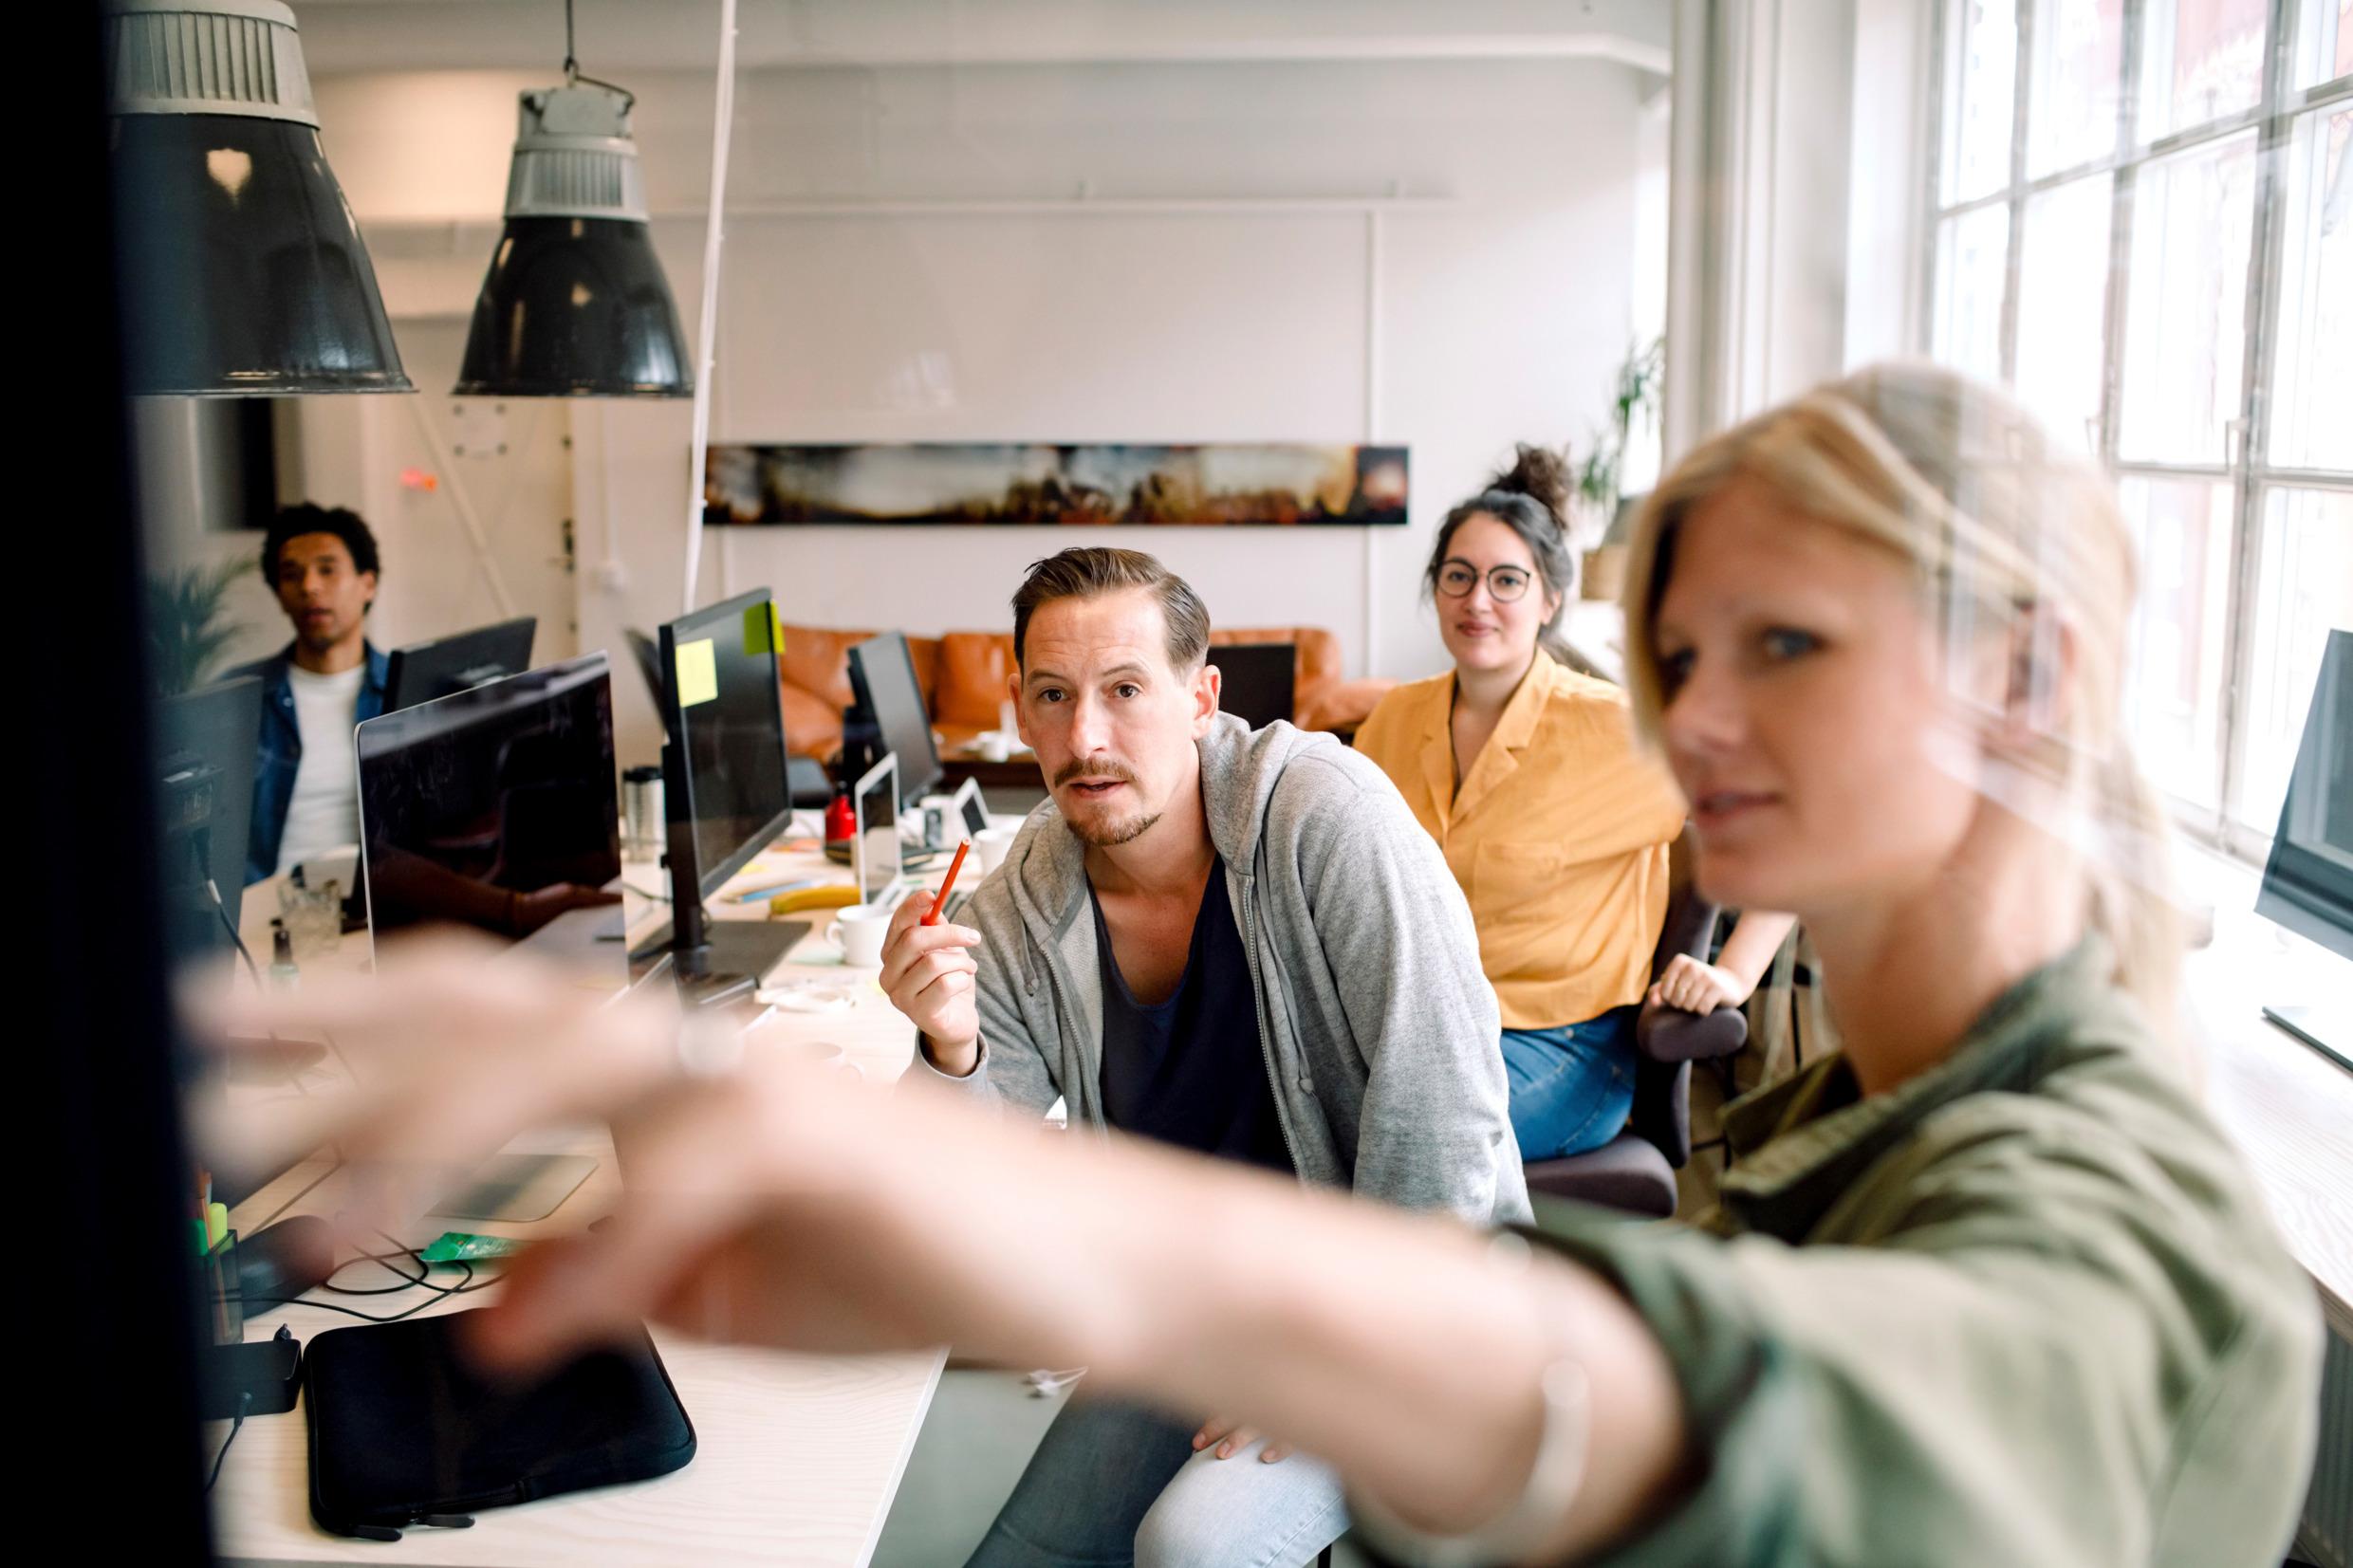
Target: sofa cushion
point(1343, 705)
point(812, 725)
point(817, 659)
point(964, 675)
point(975, 677)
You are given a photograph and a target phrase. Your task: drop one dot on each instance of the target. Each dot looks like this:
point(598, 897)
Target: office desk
point(2286, 1106)
point(798, 1456)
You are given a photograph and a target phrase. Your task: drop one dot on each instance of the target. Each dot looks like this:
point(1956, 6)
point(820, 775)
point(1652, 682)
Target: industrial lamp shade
point(575, 304)
point(240, 268)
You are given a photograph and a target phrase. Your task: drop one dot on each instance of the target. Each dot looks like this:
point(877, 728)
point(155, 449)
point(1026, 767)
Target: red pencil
point(932, 918)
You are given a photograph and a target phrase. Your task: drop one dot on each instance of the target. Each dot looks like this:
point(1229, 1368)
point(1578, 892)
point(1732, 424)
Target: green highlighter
point(461, 1246)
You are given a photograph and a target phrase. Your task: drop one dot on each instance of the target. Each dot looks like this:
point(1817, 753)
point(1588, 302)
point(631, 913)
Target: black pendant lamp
point(575, 304)
point(239, 265)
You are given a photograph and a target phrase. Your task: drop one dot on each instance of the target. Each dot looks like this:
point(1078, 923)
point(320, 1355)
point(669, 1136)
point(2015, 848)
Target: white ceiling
point(347, 36)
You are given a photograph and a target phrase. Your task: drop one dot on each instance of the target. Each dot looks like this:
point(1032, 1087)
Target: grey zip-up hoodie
point(1378, 1030)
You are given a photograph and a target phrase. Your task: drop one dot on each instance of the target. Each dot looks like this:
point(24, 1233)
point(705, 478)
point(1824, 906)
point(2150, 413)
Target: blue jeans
point(1572, 1088)
point(1114, 1484)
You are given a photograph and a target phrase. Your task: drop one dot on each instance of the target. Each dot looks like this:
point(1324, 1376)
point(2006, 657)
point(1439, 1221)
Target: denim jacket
point(282, 750)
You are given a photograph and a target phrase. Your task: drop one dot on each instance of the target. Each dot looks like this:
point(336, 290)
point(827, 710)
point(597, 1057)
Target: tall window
point(2144, 224)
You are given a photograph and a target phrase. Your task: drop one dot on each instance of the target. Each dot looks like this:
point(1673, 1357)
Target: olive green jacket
point(2024, 1311)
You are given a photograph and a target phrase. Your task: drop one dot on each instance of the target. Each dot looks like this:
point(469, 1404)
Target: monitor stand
point(2327, 1027)
point(730, 962)
point(714, 962)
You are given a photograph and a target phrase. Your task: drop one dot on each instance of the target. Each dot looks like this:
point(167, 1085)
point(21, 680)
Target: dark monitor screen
point(424, 670)
point(2307, 884)
point(882, 675)
point(495, 807)
point(206, 743)
point(725, 717)
point(1257, 681)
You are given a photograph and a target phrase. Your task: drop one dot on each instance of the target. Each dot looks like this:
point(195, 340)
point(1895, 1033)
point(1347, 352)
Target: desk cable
point(220, 906)
point(244, 1402)
point(466, 1286)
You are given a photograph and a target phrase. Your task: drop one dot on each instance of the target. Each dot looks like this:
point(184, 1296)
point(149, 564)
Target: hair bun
point(1540, 473)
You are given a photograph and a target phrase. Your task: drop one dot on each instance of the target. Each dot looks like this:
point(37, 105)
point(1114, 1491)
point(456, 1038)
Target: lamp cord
point(572, 75)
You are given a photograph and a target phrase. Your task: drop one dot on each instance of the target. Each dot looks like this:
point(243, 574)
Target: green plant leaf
point(187, 628)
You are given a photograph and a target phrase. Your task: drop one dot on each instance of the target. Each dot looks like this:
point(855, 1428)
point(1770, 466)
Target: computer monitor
point(881, 867)
point(424, 670)
point(494, 807)
point(206, 742)
point(724, 789)
point(804, 777)
point(882, 677)
point(1258, 680)
point(2307, 884)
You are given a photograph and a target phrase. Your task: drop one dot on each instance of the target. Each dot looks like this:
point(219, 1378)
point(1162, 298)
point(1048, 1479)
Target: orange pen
point(932, 917)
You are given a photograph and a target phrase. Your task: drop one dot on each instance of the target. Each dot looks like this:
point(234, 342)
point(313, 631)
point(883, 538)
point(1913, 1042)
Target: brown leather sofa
point(965, 674)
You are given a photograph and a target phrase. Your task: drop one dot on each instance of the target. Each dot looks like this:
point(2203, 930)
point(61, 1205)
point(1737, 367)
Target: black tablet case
point(403, 1429)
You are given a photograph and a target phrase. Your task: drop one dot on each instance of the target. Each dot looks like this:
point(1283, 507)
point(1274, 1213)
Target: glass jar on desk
point(313, 916)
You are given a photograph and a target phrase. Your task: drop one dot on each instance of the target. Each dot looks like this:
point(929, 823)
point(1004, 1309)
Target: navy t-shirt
point(1190, 1071)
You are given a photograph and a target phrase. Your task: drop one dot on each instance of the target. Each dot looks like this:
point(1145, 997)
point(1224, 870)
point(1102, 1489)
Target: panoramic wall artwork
point(1265, 484)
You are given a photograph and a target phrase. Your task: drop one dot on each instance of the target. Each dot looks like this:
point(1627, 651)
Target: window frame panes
point(2220, 274)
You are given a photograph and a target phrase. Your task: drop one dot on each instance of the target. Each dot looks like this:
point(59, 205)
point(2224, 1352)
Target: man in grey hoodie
point(1238, 942)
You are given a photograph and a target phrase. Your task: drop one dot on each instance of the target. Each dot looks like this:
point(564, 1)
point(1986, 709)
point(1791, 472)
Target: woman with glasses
point(1557, 827)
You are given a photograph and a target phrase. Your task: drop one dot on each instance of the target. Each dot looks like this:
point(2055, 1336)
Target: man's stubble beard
point(1114, 835)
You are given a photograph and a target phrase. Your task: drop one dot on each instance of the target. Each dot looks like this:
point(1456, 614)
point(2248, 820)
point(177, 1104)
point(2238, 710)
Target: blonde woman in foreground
point(1989, 1287)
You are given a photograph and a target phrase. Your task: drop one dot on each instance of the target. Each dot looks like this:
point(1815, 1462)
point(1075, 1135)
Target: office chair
point(1636, 1171)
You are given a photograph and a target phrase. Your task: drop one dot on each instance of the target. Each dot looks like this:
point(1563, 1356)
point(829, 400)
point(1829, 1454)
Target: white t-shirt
point(325, 813)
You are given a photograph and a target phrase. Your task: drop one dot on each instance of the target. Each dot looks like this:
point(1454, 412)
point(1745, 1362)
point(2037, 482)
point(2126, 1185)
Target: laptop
point(880, 862)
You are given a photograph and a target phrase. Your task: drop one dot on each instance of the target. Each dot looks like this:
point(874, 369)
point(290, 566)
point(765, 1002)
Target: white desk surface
point(798, 1456)
point(2288, 1108)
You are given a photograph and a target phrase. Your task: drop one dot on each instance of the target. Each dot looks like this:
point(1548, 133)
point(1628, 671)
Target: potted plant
point(186, 624)
point(1600, 526)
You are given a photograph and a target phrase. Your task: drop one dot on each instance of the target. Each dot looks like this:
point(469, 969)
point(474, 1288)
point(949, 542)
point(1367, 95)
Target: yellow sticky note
point(215, 1223)
point(764, 630)
point(697, 675)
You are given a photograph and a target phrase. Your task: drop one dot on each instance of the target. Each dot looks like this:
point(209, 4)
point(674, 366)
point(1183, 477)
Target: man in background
point(321, 564)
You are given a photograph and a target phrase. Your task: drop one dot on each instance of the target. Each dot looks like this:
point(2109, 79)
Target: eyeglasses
point(1504, 584)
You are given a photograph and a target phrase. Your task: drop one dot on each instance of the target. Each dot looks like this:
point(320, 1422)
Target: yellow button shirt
point(1559, 836)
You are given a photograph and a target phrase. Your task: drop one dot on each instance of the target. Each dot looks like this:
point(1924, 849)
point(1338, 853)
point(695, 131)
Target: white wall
point(1493, 304)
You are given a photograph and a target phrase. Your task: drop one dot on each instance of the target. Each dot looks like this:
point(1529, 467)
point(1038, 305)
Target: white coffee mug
point(993, 843)
point(857, 933)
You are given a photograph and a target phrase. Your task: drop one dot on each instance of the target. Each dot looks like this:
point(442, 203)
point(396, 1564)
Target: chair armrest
point(1670, 1034)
